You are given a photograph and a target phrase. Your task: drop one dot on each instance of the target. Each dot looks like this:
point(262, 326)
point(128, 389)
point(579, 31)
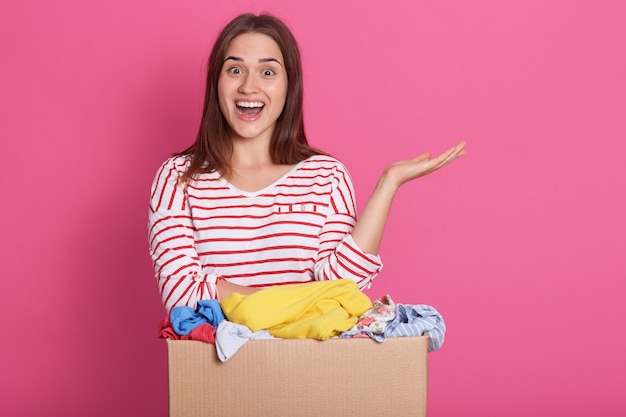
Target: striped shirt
point(295, 230)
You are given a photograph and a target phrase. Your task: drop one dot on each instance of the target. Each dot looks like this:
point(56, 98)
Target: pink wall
point(520, 244)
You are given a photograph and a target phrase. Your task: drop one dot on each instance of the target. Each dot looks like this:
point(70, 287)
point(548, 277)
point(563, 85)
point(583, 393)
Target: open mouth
point(249, 108)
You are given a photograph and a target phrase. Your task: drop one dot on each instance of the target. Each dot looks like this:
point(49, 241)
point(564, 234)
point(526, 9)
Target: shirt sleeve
point(178, 272)
point(339, 256)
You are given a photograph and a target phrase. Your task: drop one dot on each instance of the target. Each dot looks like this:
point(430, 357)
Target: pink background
point(520, 244)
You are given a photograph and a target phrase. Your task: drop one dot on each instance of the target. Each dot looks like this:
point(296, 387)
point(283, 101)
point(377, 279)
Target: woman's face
point(252, 86)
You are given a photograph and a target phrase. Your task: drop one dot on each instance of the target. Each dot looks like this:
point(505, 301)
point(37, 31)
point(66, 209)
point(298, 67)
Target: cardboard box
point(300, 377)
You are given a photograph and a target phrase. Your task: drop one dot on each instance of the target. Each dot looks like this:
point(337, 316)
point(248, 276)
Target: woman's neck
point(250, 153)
point(252, 167)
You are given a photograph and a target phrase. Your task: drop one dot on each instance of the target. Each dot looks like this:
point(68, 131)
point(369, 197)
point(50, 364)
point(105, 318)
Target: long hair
point(212, 148)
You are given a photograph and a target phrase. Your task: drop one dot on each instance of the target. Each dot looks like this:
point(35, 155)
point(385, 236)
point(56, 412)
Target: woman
point(250, 204)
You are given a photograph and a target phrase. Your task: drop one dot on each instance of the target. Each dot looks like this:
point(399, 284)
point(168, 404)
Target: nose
point(248, 84)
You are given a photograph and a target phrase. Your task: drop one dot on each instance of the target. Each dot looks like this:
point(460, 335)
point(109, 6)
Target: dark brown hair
point(212, 149)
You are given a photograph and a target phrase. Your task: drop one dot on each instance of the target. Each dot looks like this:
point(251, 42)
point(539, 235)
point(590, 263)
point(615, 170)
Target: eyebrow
point(262, 60)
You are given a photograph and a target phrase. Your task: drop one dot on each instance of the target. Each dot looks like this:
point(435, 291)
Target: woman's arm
point(225, 288)
point(339, 257)
point(368, 231)
point(180, 278)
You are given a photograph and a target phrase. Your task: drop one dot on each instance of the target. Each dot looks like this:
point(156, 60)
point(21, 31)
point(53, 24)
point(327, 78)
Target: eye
point(235, 71)
point(268, 72)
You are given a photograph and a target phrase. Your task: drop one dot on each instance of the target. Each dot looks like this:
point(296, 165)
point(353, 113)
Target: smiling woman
point(213, 149)
point(252, 88)
point(251, 204)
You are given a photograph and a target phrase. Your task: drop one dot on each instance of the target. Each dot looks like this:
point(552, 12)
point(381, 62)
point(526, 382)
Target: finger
point(452, 157)
point(423, 157)
point(457, 150)
point(450, 153)
point(448, 156)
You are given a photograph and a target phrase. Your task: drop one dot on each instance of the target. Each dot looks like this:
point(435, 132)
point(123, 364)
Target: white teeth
point(248, 104)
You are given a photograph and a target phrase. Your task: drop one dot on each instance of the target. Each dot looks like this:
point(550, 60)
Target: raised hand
point(368, 231)
point(401, 172)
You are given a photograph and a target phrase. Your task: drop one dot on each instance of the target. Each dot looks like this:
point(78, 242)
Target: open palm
point(401, 172)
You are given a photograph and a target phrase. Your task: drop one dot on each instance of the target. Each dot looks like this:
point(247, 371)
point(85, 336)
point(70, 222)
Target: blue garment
point(410, 320)
point(415, 320)
point(184, 319)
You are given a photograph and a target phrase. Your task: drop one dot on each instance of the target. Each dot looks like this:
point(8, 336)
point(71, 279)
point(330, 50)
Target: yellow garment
point(313, 310)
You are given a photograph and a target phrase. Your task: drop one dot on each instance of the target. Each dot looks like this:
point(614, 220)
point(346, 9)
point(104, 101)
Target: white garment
point(295, 230)
point(230, 337)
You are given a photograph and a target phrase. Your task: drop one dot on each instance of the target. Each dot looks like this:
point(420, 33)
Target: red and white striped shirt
point(295, 230)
